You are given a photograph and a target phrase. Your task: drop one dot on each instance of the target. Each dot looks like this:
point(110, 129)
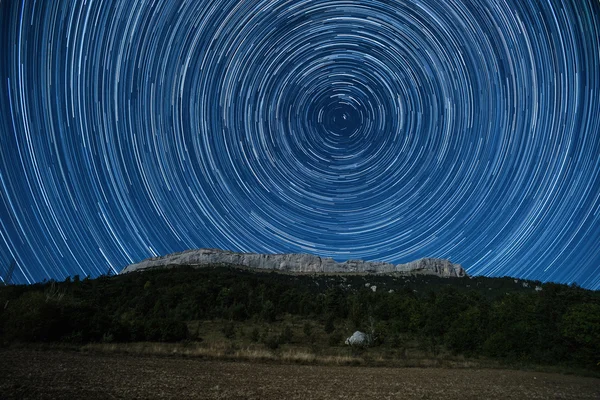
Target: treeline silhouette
point(501, 318)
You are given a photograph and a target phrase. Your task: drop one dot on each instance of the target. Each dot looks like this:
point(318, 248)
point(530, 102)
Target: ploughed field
point(55, 374)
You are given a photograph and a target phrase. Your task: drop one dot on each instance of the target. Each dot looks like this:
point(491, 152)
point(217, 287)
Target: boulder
point(358, 338)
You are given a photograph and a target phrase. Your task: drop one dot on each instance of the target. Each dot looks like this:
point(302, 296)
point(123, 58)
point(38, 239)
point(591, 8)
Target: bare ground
point(53, 374)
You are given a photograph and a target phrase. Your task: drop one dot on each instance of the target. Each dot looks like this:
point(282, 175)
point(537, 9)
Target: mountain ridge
point(299, 262)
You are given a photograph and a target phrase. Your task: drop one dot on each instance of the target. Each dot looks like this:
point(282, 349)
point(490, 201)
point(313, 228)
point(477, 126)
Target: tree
point(581, 328)
point(329, 327)
point(466, 333)
point(268, 312)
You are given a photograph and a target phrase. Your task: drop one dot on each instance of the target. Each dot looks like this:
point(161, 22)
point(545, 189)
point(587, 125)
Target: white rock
point(374, 288)
point(358, 338)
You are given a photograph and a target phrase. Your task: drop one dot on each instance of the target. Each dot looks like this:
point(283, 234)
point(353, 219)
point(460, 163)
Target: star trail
point(381, 130)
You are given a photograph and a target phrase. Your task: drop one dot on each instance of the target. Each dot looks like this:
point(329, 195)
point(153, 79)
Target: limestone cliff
point(299, 263)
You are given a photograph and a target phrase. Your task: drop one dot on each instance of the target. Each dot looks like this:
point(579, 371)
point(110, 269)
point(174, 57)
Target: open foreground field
point(54, 374)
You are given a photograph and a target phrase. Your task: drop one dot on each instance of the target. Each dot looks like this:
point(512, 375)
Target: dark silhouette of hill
point(499, 318)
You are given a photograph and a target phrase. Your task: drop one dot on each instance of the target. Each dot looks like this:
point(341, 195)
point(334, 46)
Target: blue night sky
point(381, 130)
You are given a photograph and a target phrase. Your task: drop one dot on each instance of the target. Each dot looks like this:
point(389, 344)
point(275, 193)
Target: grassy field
point(60, 374)
point(225, 340)
point(248, 341)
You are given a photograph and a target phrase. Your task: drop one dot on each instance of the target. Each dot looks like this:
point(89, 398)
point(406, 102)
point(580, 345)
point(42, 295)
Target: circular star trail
point(381, 130)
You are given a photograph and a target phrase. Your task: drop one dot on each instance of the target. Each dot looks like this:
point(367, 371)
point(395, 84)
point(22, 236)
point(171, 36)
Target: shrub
point(307, 329)
point(335, 339)
point(255, 335)
point(272, 342)
point(329, 327)
point(286, 335)
point(228, 330)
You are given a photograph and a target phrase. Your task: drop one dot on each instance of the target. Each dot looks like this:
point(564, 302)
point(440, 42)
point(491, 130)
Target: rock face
point(299, 263)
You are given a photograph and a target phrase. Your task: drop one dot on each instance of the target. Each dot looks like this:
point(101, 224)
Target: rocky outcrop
point(299, 263)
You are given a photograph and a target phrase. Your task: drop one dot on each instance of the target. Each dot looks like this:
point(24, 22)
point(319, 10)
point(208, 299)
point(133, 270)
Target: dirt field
point(34, 374)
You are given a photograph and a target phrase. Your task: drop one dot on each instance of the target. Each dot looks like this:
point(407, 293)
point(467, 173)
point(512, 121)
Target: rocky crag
point(299, 263)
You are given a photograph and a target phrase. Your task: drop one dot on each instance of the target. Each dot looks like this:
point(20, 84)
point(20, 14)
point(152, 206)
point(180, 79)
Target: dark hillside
point(499, 318)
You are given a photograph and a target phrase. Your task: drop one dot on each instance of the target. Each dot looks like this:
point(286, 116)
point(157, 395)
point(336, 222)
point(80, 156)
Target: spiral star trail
point(381, 130)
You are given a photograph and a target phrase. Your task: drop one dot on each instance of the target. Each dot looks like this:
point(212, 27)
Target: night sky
point(380, 130)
